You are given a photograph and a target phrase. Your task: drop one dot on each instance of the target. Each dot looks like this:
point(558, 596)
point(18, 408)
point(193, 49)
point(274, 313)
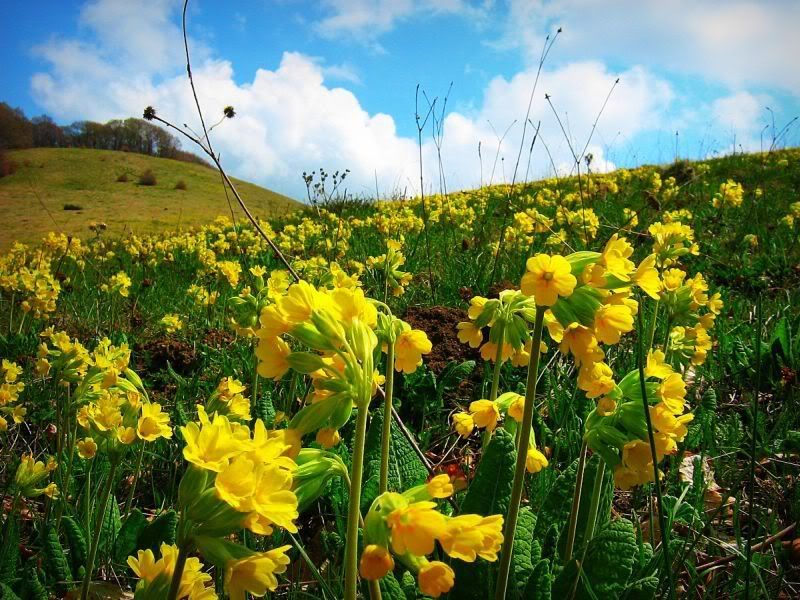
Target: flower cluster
point(119, 284)
point(387, 266)
point(30, 476)
point(730, 194)
point(10, 389)
point(409, 525)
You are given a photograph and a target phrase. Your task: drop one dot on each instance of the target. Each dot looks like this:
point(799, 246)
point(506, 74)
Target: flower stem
point(576, 502)
point(522, 454)
point(386, 433)
point(98, 526)
point(177, 574)
point(354, 512)
point(651, 336)
point(136, 473)
point(498, 363)
point(591, 521)
point(651, 438)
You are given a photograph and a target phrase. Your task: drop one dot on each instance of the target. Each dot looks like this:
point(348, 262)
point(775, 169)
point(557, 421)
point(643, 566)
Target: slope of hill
point(65, 189)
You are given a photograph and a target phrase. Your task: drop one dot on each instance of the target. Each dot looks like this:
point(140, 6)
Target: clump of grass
point(123, 178)
point(69, 206)
point(148, 178)
point(181, 185)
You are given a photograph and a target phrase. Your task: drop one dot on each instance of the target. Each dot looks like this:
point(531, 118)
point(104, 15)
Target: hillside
point(33, 200)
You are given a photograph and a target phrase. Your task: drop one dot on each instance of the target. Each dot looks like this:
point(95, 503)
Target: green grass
point(32, 200)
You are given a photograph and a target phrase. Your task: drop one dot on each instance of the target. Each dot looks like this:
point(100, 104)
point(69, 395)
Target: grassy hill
point(33, 200)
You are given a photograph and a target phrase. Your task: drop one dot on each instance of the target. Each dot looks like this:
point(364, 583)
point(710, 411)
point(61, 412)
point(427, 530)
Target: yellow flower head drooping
point(463, 423)
point(436, 578)
point(547, 278)
point(415, 528)
point(87, 448)
point(410, 346)
point(153, 423)
point(255, 574)
point(376, 561)
point(485, 414)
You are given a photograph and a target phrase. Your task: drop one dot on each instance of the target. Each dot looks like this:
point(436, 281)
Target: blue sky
point(332, 83)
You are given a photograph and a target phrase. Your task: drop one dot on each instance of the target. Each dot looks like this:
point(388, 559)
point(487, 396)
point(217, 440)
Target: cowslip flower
point(547, 278)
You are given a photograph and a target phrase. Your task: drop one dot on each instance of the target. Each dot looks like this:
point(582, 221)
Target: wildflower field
point(582, 387)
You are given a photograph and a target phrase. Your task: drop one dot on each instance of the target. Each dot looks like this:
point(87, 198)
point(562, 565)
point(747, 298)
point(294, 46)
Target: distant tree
point(16, 130)
point(46, 134)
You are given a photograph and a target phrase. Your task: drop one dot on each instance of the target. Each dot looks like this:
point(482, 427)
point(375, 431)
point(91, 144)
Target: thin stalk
point(652, 334)
point(662, 518)
point(98, 526)
point(591, 523)
point(132, 491)
point(498, 363)
point(386, 433)
point(753, 449)
point(177, 574)
point(354, 512)
point(576, 502)
point(522, 454)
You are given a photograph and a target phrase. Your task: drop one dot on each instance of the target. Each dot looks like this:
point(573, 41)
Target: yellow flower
point(236, 484)
point(463, 424)
point(596, 379)
point(535, 461)
point(327, 437)
point(672, 392)
point(274, 502)
point(656, 367)
point(485, 414)
point(255, 574)
point(213, 444)
point(646, 277)
point(610, 321)
point(409, 348)
point(126, 435)
point(375, 563)
point(546, 278)
point(469, 334)
point(87, 448)
point(271, 354)
point(470, 536)
point(436, 578)
point(153, 423)
point(171, 323)
point(516, 408)
point(415, 528)
point(440, 487)
point(606, 406)
point(582, 344)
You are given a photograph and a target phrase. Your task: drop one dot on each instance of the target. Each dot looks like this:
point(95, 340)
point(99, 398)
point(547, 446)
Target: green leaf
point(405, 467)
point(391, 588)
point(32, 584)
point(526, 554)
point(409, 584)
point(128, 538)
point(6, 593)
point(76, 542)
point(161, 530)
point(539, 582)
point(109, 530)
point(642, 589)
point(9, 554)
point(55, 561)
point(602, 576)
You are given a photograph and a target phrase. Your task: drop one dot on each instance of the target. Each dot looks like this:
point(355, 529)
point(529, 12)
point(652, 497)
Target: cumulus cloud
point(742, 114)
point(737, 42)
point(294, 118)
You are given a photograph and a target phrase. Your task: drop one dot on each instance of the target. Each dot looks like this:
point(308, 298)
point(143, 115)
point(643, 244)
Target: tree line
point(128, 135)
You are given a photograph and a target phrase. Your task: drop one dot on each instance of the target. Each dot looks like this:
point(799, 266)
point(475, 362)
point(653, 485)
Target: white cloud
point(293, 119)
point(743, 115)
point(736, 42)
point(366, 20)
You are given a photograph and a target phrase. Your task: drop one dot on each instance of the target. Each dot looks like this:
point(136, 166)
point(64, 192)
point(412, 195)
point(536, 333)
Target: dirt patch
point(157, 353)
point(439, 323)
point(218, 338)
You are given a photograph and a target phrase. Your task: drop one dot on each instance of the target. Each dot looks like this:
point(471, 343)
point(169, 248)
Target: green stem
point(354, 512)
point(576, 502)
point(177, 574)
point(132, 491)
point(522, 453)
point(386, 433)
point(98, 526)
point(651, 438)
point(498, 363)
point(652, 333)
point(591, 522)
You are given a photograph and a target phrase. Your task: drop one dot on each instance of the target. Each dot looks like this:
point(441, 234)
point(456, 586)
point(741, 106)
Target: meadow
point(580, 387)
